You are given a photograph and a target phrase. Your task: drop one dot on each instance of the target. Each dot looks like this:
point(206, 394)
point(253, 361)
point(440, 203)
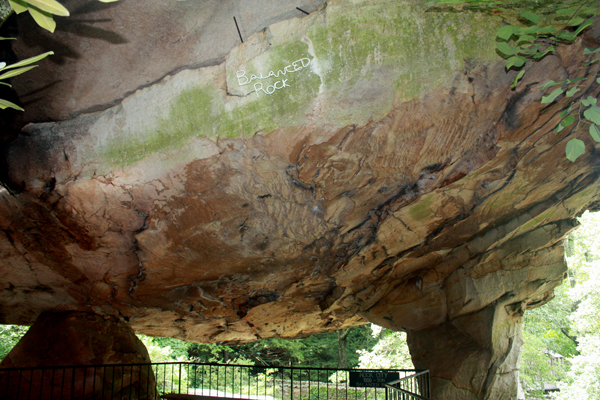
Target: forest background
point(561, 338)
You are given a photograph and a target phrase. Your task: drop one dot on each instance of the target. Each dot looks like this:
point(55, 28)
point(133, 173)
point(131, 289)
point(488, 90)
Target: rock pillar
point(473, 357)
point(78, 339)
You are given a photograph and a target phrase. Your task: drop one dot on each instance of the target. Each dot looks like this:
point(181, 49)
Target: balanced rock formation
point(366, 162)
point(74, 338)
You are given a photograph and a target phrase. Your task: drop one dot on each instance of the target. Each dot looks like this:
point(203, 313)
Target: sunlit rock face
point(366, 162)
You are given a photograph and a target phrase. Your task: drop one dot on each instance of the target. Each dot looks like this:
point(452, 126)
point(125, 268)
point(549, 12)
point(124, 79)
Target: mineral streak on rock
point(397, 180)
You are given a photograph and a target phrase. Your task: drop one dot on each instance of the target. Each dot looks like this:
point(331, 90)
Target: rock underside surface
point(366, 162)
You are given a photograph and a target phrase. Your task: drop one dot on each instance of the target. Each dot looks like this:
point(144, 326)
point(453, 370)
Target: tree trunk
point(342, 359)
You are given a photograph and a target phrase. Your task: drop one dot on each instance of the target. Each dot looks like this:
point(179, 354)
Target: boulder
point(94, 344)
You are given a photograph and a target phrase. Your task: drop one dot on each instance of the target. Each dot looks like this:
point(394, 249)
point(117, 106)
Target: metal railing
point(415, 386)
point(158, 380)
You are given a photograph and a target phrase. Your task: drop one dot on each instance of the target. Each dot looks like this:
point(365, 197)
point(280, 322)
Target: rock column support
point(473, 357)
point(78, 338)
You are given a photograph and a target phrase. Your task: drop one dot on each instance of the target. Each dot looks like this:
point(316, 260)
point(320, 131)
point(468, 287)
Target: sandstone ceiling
point(388, 173)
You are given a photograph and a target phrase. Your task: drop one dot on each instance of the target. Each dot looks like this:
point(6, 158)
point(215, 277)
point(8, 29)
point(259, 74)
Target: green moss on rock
point(367, 56)
point(422, 210)
point(202, 112)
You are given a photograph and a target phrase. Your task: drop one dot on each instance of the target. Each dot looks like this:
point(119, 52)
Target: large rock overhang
point(386, 173)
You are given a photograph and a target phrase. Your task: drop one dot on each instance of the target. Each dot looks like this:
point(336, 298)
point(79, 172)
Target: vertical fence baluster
point(52, 384)
point(84, 376)
point(42, 384)
point(19, 384)
point(74, 371)
point(148, 369)
point(139, 383)
point(130, 380)
point(122, 375)
point(179, 388)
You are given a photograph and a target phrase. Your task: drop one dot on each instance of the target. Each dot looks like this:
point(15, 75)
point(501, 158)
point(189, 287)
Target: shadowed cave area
point(304, 172)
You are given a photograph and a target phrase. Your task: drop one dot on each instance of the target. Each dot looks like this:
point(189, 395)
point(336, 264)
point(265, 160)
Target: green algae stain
point(422, 210)
point(425, 48)
point(190, 115)
point(201, 112)
point(396, 47)
point(537, 221)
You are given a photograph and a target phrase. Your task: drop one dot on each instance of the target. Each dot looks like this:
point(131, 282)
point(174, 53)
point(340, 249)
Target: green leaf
point(566, 11)
point(530, 29)
point(598, 80)
point(589, 51)
point(566, 110)
point(530, 16)
point(551, 83)
point(575, 148)
point(6, 104)
point(518, 78)
point(541, 55)
point(531, 51)
point(558, 128)
point(568, 121)
point(15, 72)
point(552, 96)
point(5, 84)
point(593, 114)
point(18, 5)
point(2, 65)
point(546, 30)
point(506, 49)
point(30, 60)
point(43, 19)
point(572, 91)
point(583, 26)
point(595, 132)
point(595, 60)
point(576, 21)
point(515, 61)
point(505, 32)
point(50, 6)
point(7, 38)
point(573, 80)
point(525, 38)
point(566, 36)
point(589, 101)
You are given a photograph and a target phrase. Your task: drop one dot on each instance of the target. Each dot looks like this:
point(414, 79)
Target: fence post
point(179, 389)
point(291, 384)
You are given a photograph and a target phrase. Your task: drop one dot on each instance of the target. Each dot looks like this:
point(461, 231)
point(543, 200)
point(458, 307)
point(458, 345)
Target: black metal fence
point(158, 380)
point(415, 386)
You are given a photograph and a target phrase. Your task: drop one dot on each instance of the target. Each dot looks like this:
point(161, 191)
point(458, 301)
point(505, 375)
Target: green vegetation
point(9, 336)
point(9, 71)
point(537, 27)
point(42, 11)
point(566, 330)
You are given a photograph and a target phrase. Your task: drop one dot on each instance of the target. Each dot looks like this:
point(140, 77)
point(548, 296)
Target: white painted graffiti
point(296, 66)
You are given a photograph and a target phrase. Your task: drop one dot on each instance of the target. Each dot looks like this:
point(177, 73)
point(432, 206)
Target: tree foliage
point(43, 12)
point(391, 350)
point(9, 336)
point(316, 350)
point(569, 325)
point(531, 32)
